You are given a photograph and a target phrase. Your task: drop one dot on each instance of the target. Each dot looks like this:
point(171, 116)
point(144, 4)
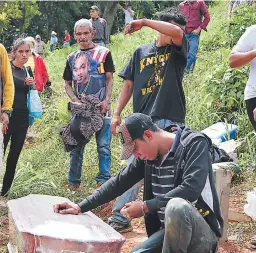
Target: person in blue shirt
point(53, 41)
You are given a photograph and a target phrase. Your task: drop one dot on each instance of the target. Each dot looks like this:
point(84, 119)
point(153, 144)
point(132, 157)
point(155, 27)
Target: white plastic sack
point(250, 208)
point(34, 103)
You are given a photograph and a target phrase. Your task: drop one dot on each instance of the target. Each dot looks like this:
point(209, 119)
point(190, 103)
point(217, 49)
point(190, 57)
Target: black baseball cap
point(132, 128)
point(94, 7)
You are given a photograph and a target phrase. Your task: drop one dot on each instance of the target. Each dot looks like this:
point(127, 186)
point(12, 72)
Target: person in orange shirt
point(6, 87)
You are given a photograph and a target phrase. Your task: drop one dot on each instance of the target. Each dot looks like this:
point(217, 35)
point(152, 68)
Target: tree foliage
point(42, 17)
point(226, 85)
point(15, 18)
point(243, 17)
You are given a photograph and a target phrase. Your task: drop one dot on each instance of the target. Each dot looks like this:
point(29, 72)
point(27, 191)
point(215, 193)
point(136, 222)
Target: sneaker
point(121, 228)
point(75, 188)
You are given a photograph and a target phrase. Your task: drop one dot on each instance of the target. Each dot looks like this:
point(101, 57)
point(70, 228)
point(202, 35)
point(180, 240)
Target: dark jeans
point(250, 106)
point(16, 133)
point(103, 140)
point(185, 231)
point(52, 47)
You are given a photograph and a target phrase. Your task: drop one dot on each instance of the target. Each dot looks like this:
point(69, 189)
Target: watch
point(8, 112)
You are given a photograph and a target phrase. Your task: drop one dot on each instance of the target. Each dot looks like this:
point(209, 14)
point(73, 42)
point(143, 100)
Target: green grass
point(42, 168)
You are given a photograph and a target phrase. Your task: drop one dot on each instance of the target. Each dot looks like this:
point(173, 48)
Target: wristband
point(8, 112)
point(142, 208)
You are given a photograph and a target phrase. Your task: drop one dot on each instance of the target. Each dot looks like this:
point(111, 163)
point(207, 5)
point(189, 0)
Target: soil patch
point(239, 234)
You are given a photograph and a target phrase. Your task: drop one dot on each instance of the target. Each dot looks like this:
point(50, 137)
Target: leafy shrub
point(243, 16)
point(226, 87)
point(215, 40)
point(227, 34)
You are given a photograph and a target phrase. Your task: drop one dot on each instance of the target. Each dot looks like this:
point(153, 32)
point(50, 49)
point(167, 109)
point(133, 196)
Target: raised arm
point(169, 29)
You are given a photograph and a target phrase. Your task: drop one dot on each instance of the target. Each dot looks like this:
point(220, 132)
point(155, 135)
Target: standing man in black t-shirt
point(89, 70)
point(153, 77)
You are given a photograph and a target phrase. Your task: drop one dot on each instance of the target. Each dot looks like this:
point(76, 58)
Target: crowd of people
point(180, 204)
point(101, 36)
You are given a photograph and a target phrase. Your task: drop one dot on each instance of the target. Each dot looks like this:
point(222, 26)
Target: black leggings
point(250, 106)
point(17, 131)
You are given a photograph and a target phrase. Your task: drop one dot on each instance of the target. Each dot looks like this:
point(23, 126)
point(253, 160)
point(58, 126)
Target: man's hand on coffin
point(67, 208)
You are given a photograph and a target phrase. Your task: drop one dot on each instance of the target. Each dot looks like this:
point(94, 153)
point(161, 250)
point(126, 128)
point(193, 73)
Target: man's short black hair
point(172, 14)
point(154, 128)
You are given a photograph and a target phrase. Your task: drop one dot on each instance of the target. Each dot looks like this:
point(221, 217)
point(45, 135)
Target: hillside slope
point(43, 165)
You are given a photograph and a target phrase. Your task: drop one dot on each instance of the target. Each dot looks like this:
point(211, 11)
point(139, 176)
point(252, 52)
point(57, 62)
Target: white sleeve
point(247, 41)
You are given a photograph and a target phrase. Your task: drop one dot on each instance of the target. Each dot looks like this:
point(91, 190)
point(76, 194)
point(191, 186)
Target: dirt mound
point(104, 211)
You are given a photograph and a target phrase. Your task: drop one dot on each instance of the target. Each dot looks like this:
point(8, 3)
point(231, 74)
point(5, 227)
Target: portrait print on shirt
point(88, 73)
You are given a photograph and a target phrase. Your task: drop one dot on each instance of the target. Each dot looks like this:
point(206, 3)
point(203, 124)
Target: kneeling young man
point(180, 206)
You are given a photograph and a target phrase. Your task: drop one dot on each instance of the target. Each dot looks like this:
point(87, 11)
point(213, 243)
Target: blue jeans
point(52, 47)
point(193, 48)
point(185, 231)
point(103, 139)
point(132, 193)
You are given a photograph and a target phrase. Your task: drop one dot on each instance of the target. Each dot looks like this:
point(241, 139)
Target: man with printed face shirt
point(89, 71)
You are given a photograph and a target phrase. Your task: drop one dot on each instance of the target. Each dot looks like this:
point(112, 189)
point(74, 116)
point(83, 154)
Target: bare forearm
point(237, 60)
point(124, 97)
point(164, 27)
point(69, 90)
point(109, 86)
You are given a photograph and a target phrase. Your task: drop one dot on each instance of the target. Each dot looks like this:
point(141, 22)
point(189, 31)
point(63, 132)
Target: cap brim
point(127, 150)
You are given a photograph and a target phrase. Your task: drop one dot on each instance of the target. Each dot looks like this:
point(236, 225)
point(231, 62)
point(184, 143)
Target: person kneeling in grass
point(181, 207)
